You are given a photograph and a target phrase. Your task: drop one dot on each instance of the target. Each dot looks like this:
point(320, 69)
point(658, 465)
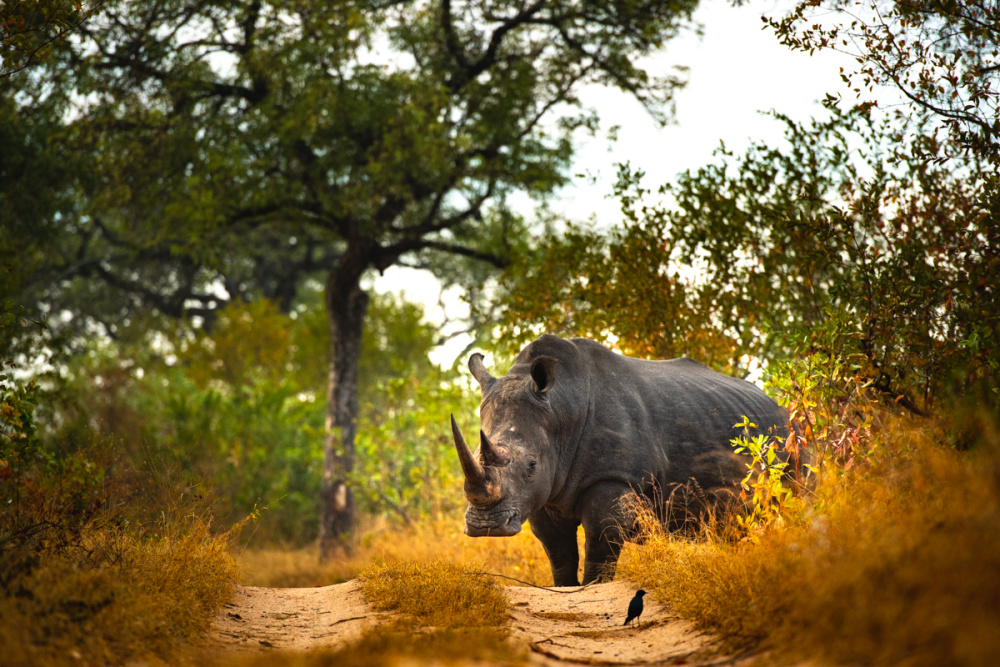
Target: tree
point(940, 55)
point(250, 145)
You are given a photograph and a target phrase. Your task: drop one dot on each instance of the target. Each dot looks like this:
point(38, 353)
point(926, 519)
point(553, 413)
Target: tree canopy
point(251, 143)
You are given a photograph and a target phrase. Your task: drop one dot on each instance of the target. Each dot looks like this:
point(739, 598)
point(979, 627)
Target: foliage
point(30, 29)
point(939, 55)
point(255, 145)
point(406, 455)
point(834, 422)
point(616, 286)
point(46, 497)
point(828, 398)
point(770, 498)
point(734, 261)
point(87, 570)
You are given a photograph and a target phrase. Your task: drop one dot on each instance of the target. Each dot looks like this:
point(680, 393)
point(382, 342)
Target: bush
point(86, 573)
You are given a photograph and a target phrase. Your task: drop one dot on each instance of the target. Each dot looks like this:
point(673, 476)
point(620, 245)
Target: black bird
point(635, 608)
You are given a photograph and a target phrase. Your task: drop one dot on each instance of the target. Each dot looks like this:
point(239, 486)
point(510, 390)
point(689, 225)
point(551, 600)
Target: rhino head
point(511, 475)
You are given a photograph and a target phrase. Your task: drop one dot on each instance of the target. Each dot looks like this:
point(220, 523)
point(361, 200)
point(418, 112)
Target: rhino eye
point(531, 467)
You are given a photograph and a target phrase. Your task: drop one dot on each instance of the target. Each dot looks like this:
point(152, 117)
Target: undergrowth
point(897, 562)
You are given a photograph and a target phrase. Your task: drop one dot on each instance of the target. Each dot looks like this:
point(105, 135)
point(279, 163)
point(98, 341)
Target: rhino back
point(669, 420)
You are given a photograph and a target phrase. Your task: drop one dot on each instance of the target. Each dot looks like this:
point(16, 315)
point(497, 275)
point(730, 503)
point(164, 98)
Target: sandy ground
point(561, 625)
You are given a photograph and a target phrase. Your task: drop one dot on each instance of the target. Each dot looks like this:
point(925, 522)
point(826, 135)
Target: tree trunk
point(346, 308)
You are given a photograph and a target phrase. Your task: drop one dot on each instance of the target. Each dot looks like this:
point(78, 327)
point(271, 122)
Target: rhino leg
point(558, 537)
point(604, 519)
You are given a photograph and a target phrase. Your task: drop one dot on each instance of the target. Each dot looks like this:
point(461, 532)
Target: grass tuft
point(436, 593)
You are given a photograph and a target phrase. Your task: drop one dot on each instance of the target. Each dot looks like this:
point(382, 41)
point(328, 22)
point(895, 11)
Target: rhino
point(573, 430)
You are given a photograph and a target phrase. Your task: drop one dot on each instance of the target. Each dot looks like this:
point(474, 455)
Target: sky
point(736, 71)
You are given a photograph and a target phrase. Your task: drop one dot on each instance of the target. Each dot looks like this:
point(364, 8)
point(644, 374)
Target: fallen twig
point(528, 583)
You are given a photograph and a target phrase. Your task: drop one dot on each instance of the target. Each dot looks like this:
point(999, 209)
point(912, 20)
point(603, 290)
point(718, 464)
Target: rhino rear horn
point(492, 455)
point(473, 469)
point(479, 372)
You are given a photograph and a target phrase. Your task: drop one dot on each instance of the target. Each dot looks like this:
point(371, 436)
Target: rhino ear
point(543, 373)
point(479, 372)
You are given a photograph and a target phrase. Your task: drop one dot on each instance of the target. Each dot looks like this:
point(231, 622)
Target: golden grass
point(520, 557)
point(160, 595)
point(897, 564)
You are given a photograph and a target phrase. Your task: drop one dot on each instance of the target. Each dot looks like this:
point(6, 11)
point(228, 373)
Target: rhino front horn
point(473, 469)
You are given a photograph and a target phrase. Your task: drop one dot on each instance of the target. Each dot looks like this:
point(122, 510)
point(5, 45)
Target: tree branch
point(489, 57)
point(455, 249)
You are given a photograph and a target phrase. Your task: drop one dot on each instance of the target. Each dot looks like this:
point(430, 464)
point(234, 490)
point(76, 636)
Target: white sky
point(736, 70)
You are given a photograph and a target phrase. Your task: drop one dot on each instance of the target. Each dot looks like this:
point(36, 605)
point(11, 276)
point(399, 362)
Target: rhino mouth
point(492, 524)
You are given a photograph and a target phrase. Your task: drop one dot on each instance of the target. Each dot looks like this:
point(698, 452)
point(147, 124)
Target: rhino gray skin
point(573, 429)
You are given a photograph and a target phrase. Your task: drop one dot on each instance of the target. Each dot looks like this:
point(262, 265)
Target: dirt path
point(562, 625)
point(294, 619)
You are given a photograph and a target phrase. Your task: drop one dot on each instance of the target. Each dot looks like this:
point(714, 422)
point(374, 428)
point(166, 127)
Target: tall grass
point(897, 562)
point(439, 593)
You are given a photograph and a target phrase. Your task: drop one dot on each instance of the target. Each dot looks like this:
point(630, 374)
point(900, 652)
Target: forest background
point(197, 195)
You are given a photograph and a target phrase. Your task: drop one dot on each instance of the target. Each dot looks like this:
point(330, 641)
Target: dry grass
point(897, 564)
point(159, 596)
point(520, 557)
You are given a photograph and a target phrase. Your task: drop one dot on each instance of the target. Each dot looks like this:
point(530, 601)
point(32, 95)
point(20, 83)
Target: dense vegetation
point(187, 257)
